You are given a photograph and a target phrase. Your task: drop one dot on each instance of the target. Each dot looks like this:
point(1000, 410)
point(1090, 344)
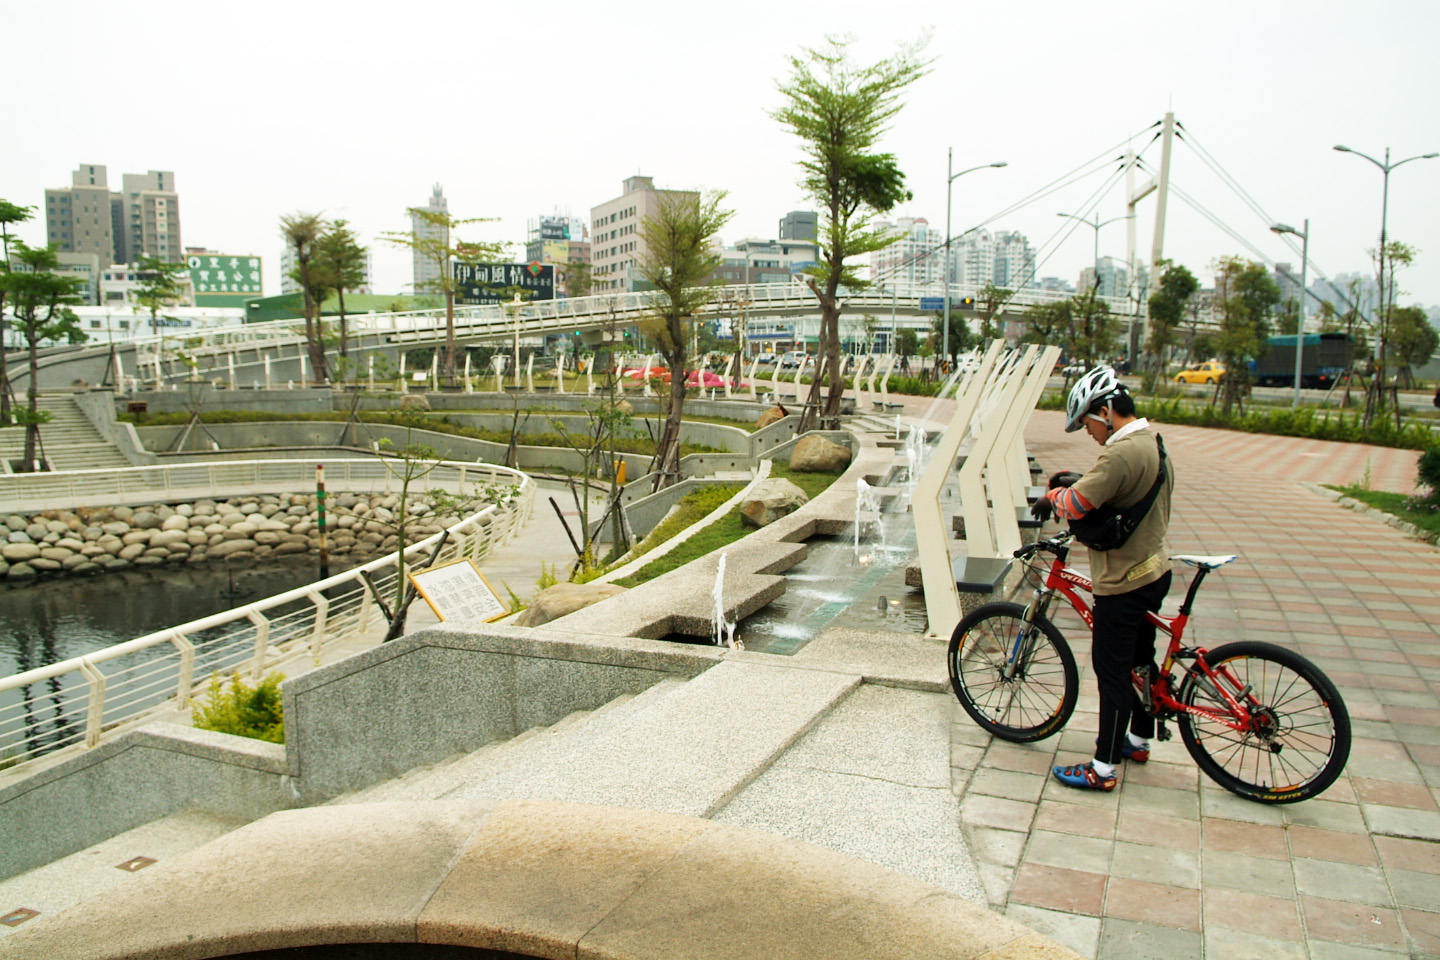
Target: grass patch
point(1416, 510)
point(724, 531)
point(692, 508)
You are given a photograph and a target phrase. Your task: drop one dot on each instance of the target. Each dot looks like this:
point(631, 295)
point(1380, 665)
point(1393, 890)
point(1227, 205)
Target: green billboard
point(224, 280)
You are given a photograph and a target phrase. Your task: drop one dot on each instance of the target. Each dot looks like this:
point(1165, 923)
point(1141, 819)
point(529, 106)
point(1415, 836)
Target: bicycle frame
point(1072, 585)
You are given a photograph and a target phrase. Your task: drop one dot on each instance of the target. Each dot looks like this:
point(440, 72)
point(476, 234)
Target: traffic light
point(967, 303)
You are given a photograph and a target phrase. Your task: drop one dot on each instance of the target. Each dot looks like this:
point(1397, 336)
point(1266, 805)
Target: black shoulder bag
point(1107, 527)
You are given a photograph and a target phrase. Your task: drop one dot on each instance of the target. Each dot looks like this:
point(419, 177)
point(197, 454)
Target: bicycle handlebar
point(1053, 545)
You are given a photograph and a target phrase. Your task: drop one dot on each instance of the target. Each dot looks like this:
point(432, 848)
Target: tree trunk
point(667, 450)
point(447, 362)
point(4, 372)
point(32, 395)
point(344, 345)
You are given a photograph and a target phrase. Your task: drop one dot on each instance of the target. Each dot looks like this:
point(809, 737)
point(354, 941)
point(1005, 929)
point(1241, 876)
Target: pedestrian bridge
point(595, 318)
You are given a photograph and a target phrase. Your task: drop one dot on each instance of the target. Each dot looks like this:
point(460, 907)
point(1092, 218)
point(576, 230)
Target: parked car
point(1208, 372)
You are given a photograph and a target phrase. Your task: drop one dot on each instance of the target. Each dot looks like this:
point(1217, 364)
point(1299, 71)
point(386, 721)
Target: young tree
point(41, 301)
point(961, 339)
point(440, 247)
point(1412, 339)
point(1248, 297)
point(839, 110)
point(990, 299)
point(159, 287)
point(302, 233)
point(680, 264)
point(1167, 308)
point(1388, 262)
point(9, 213)
point(340, 262)
point(907, 342)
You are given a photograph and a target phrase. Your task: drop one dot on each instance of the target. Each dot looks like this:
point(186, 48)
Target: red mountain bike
point(1260, 720)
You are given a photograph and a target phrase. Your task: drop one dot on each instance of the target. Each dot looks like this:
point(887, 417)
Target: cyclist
point(1129, 579)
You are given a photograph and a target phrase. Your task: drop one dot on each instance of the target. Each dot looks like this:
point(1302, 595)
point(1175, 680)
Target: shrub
point(242, 710)
point(1429, 470)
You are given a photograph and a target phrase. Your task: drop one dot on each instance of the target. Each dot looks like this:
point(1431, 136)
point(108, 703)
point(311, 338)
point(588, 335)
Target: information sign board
point(458, 592)
point(481, 283)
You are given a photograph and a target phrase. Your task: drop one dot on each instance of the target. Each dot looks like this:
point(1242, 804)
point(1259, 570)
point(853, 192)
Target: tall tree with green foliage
point(1412, 341)
point(1167, 309)
point(340, 262)
point(990, 300)
point(41, 300)
point(159, 287)
point(1388, 263)
point(839, 110)
point(907, 342)
point(9, 213)
point(442, 248)
point(1248, 296)
point(302, 233)
point(961, 339)
point(680, 263)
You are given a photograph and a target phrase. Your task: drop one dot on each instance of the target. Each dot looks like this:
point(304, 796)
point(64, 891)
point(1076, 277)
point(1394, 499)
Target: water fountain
point(724, 629)
point(867, 511)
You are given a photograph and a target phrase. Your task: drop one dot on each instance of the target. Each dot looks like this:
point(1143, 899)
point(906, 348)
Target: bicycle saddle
point(1209, 563)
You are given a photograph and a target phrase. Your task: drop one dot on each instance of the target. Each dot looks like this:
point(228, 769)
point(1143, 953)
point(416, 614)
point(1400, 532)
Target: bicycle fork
point(1025, 637)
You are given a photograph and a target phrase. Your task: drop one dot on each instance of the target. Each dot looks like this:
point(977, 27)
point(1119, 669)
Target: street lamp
point(1304, 235)
point(1385, 168)
point(1095, 225)
point(952, 177)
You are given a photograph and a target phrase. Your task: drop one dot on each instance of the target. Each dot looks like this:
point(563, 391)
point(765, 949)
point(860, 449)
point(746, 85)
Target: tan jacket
point(1122, 475)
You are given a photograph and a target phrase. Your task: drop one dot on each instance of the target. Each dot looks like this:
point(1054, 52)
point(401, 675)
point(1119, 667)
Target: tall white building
point(1014, 263)
point(918, 257)
point(426, 270)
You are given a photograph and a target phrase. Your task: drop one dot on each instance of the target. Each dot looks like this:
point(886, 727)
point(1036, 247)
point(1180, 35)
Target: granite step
point(670, 755)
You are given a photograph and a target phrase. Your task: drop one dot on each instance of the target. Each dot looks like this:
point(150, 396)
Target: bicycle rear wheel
point(1033, 703)
point(1299, 734)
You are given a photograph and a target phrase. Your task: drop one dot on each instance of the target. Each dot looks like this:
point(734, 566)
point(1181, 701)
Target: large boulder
point(771, 500)
point(414, 402)
point(815, 454)
point(562, 598)
point(774, 415)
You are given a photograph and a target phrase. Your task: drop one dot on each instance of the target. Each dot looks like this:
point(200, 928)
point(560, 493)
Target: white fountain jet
point(724, 629)
point(867, 510)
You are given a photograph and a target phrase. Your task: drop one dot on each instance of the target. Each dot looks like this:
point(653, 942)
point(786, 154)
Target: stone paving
point(1171, 865)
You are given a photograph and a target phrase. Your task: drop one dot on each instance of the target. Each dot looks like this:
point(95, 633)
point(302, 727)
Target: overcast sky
point(355, 109)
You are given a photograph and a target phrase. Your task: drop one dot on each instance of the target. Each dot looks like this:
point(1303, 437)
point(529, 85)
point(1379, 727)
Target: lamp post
point(1095, 225)
point(1385, 168)
point(1304, 235)
point(951, 178)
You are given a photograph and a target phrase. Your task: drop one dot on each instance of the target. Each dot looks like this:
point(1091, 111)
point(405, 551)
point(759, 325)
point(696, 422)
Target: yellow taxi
point(1207, 372)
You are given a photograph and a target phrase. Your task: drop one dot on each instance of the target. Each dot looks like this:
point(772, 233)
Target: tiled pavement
point(1171, 865)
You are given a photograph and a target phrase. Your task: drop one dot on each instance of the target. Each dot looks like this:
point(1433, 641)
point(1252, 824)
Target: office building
point(142, 219)
point(800, 225)
point(616, 247)
point(765, 261)
point(559, 239)
point(426, 269)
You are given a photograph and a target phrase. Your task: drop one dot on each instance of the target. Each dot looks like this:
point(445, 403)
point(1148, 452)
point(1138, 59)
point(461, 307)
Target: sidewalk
point(1170, 864)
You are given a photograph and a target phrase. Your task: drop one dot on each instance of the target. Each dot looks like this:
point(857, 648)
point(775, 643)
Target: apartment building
point(142, 219)
point(79, 219)
point(426, 271)
point(616, 247)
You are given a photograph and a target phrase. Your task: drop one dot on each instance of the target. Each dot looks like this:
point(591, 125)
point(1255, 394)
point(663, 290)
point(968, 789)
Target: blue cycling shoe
point(1134, 754)
point(1084, 777)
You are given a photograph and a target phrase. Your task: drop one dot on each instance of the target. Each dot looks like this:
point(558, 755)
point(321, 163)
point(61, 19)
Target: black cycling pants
point(1122, 640)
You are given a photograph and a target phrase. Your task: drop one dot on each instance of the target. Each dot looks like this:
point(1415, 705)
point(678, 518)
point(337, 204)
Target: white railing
point(574, 313)
point(76, 704)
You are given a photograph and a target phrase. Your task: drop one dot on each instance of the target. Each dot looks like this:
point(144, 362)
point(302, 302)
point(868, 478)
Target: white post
point(885, 382)
point(230, 362)
point(469, 387)
point(267, 371)
point(560, 373)
point(371, 380)
point(303, 383)
point(754, 365)
point(435, 371)
point(729, 362)
point(530, 374)
point(590, 375)
point(645, 378)
point(498, 363)
point(404, 387)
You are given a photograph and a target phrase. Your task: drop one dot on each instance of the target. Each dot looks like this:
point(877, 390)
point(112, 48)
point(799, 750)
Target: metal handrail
point(253, 638)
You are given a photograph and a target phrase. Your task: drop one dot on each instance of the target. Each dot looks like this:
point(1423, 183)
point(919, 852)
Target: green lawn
point(1408, 508)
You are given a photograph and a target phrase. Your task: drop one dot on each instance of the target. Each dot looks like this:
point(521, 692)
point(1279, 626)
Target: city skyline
point(1258, 90)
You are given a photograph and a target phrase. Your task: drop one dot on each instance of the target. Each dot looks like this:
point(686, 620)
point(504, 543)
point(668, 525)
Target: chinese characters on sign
point(458, 591)
point(480, 283)
point(223, 275)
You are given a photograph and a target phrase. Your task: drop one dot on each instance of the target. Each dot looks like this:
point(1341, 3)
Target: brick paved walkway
point(1170, 864)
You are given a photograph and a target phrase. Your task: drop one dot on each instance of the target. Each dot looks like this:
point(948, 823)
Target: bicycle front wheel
point(1029, 703)
point(1298, 737)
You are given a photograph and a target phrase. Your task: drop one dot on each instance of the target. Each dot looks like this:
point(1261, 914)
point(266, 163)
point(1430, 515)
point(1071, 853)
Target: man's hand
point(1064, 478)
point(1042, 509)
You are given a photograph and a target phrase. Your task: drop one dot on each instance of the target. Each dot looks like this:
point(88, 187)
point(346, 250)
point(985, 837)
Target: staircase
point(69, 441)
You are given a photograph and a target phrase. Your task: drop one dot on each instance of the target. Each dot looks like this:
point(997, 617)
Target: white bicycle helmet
point(1094, 387)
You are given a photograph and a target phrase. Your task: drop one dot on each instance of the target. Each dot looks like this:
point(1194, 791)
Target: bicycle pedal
point(1162, 732)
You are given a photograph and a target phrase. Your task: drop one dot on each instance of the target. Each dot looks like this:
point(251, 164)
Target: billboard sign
point(554, 228)
point(482, 283)
point(224, 280)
